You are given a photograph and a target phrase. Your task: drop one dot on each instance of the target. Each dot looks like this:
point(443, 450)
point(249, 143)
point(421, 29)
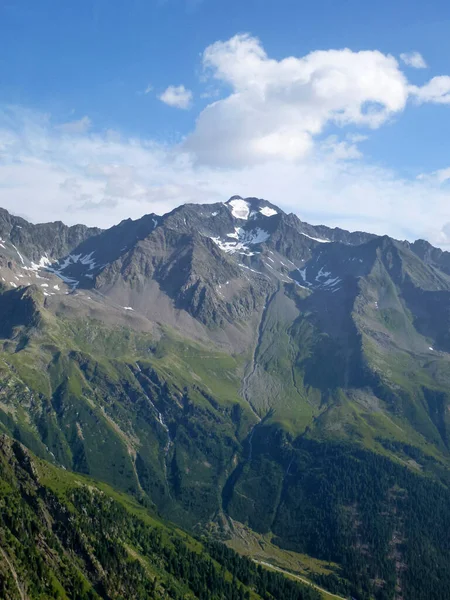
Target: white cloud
point(443, 175)
point(341, 149)
point(80, 126)
point(439, 176)
point(277, 108)
point(177, 96)
point(148, 89)
point(436, 91)
point(413, 59)
point(357, 137)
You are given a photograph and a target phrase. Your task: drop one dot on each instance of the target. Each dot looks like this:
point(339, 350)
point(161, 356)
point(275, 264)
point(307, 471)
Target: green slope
point(64, 536)
point(126, 408)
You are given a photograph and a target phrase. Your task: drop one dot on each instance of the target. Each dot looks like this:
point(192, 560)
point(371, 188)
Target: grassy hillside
point(134, 410)
point(64, 536)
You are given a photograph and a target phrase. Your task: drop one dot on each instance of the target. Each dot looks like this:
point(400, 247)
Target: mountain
point(246, 374)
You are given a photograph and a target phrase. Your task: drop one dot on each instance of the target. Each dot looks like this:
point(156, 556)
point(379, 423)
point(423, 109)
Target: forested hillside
point(63, 536)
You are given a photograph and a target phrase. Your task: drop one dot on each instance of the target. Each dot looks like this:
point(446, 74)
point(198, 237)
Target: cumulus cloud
point(177, 96)
point(413, 59)
point(277, 108)
point(436, 91)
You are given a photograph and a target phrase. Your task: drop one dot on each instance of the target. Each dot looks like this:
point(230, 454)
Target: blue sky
point(94, 126)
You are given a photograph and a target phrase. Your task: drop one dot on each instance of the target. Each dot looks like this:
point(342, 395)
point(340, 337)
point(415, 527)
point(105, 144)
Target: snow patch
point(267, 211)
point(127, 308)
point(249, 269)
point(240, 209)
point(43, 262)
point(299, 284)
point(58, 268)
point(243, 239)
point(322, 273)
point(331, 282)
point(322, 241)
point(73, 259)
point(87, 260)
point(328, 283)
point(258, 236)
point(20, 256)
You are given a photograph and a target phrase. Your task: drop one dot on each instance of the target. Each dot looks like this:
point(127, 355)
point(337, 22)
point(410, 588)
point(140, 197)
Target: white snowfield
point(242, 239)
point(267, 211)
point(240, 209)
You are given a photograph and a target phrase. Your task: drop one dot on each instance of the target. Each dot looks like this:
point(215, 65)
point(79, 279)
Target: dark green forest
point(386, 526)
point(66, 538)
